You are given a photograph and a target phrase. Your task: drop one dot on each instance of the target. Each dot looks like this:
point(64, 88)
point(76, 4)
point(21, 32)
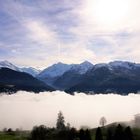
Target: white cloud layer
point(24, 110)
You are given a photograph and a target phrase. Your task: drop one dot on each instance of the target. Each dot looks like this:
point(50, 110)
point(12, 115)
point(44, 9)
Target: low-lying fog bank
point(24, 109)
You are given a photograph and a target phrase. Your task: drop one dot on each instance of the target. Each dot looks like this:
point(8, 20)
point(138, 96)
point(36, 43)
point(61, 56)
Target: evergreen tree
point(119, 134)
point(98, 135)
point(87, 135)
point(60, 125)
point(128, 134)
point(82, 134)
point(109, 135)
point(72, 134)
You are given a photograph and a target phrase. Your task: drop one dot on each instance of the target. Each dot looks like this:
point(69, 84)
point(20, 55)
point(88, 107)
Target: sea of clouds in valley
point(25, 110)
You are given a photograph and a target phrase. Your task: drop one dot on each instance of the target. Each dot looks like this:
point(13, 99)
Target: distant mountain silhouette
point(116, 77)
point(12, 81)
point(54, 74)
point(119, 77)
point(32, 71)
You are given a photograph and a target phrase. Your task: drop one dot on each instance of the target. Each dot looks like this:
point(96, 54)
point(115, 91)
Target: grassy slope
point(136, 133)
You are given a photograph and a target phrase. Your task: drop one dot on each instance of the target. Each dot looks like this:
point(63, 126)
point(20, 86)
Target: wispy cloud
point(45, 32)
point(39, 33)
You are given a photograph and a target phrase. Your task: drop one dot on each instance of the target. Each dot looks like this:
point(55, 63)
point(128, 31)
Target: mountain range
point(13, 79)
point(119, 77)
point(32, 71)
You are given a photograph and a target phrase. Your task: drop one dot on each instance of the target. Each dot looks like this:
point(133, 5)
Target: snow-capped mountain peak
point(82, 68)
point(29, 70)
point(7, 64)
point(60, 68)
point(32, 71)
point(86, 64)
point(123, 64)
point(55, 70)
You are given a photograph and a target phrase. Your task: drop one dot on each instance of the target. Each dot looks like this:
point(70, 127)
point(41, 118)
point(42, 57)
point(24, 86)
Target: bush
point(39, 133)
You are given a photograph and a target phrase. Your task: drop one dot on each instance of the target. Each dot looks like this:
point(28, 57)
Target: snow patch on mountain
point(32, 71)
point(55, 70)
point(123, 64)
point(82, 68)
point(6, 64)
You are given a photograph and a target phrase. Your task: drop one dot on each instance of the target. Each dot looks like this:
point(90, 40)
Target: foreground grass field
point(14, 136)
point(25, 135)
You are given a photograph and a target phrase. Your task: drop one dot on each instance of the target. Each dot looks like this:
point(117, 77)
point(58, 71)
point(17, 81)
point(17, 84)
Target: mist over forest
point(25, 110)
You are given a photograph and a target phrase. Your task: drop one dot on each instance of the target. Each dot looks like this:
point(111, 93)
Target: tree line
point(66, 132)
point(120, 133)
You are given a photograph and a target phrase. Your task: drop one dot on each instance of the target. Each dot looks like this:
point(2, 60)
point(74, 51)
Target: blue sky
point(41, 32)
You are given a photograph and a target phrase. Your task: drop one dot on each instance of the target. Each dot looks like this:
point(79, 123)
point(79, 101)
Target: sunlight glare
point(110, 12)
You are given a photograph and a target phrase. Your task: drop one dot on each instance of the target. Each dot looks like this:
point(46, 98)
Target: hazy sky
point(24, 110)
point(42, 32)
